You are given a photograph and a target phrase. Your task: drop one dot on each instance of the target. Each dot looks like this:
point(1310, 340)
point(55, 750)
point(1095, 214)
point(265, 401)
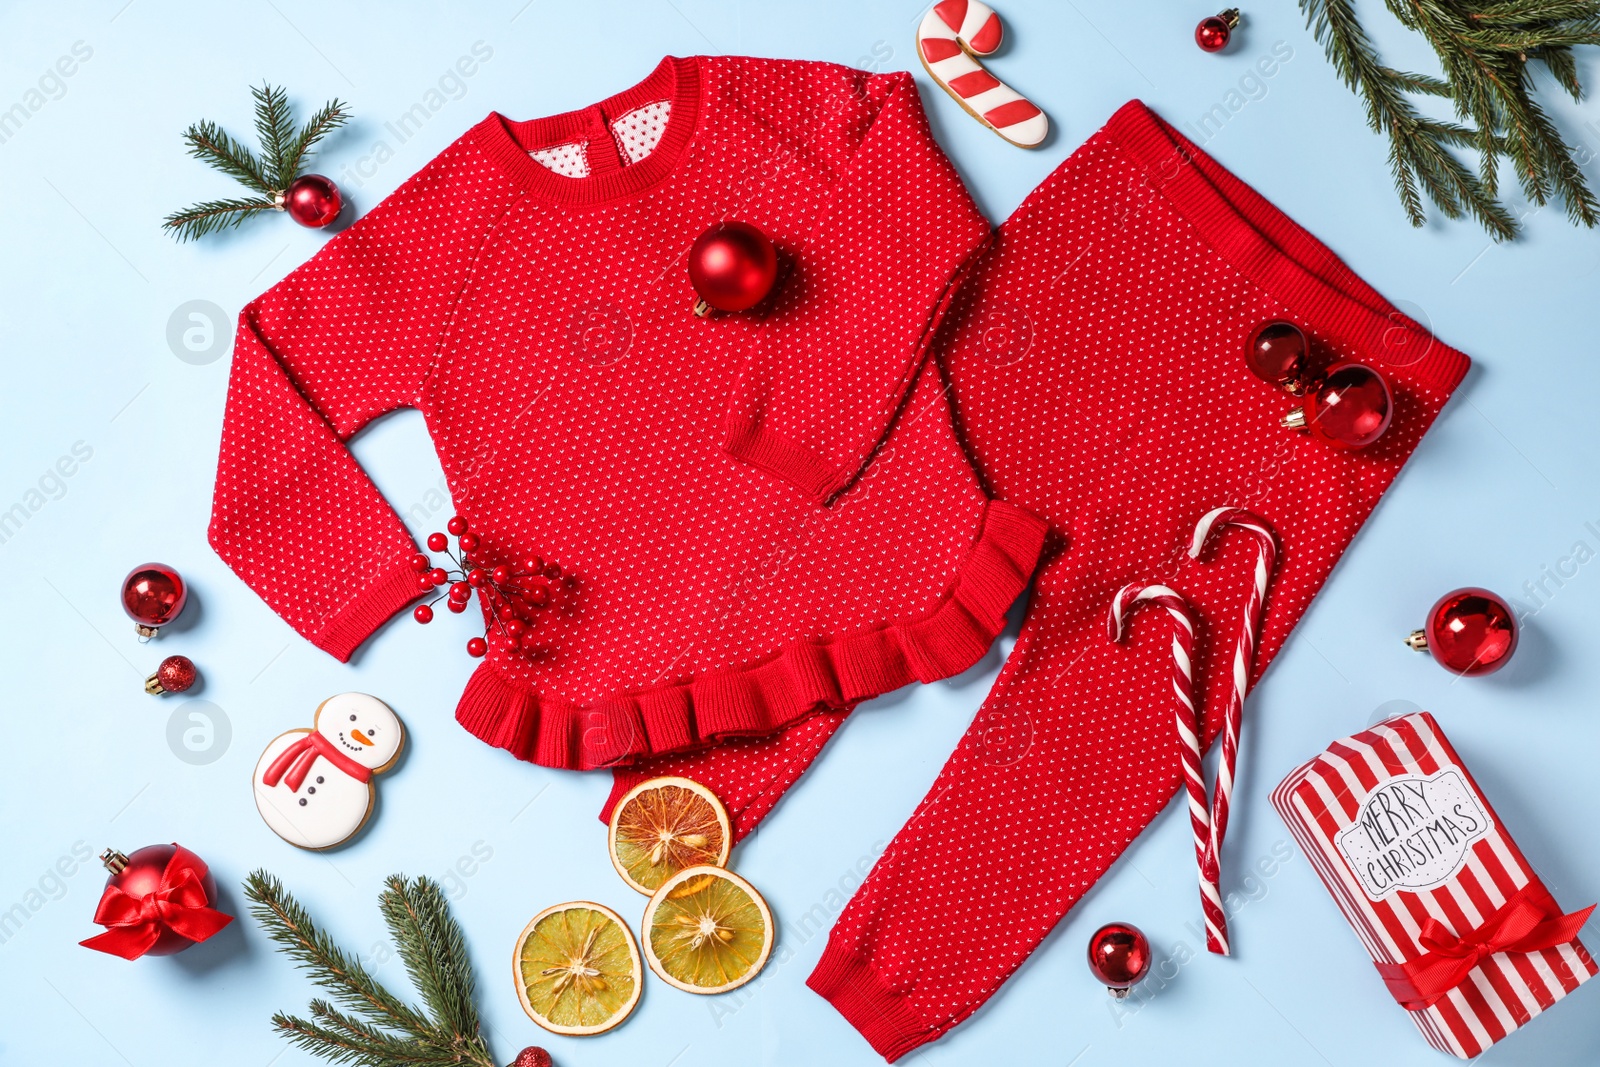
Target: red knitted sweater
point(766, 514)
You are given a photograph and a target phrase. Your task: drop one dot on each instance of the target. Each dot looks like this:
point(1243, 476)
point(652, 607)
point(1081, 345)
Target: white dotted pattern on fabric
point(639, 131)
point(567, 160)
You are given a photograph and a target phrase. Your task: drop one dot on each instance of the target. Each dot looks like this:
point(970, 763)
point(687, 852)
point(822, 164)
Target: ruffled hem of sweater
point(760, 698)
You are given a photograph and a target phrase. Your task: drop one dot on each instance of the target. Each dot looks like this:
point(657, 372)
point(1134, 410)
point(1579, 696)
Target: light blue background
point(1497, 495)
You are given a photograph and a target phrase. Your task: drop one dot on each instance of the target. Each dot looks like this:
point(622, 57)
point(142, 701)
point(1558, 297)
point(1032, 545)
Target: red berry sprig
point(515, 595)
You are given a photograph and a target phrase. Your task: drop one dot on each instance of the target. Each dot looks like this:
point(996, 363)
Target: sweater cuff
point(357, 620)
point(747, 441)
point(880, 1014)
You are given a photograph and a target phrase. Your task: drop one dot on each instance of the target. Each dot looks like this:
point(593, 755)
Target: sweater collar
point(610, 176)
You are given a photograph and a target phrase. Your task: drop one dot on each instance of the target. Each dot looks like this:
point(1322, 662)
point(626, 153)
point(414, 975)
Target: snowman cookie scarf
point(314, 787)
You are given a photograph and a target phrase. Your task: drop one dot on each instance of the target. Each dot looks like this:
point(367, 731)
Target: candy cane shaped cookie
point(1183, 628)
point(952, 33)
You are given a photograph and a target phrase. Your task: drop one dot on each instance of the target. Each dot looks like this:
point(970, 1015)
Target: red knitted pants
point(1096, 357)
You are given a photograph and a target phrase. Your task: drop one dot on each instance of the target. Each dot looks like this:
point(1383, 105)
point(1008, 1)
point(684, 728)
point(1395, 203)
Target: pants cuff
point(881, 1015)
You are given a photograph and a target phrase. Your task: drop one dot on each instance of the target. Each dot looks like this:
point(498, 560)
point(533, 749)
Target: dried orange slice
point(578, 969)
point(706, 930)
point(663, 825)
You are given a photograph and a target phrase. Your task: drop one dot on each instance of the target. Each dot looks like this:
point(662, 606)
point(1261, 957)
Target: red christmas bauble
point(732, 266)
point(477, 647)
point(1277, 353)
point(158, 900)
point(312, 200)
point(1119, 955)
point(532, 1056)
point(1349, 408)
point(176, 674)
point(1214, 33)
point(153, 594)
point(1469, 631)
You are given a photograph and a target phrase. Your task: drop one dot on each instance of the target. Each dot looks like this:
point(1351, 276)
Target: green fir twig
point(1485, 50)
point(364, 1024)
point(282, 156)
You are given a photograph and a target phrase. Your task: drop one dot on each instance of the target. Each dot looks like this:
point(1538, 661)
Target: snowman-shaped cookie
point(314, 787)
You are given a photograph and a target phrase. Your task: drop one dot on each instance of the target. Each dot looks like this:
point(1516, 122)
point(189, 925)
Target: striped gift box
point(1401, 834)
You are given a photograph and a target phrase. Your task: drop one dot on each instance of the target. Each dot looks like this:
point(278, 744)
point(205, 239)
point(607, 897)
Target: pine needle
point(331, 116)
point(274, 131)
point(209, 142)
point(214, 215)
point(1484, 50)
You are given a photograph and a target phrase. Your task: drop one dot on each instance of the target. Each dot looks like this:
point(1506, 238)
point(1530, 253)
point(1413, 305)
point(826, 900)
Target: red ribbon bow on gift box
point(179, 903)
point(1528, 921)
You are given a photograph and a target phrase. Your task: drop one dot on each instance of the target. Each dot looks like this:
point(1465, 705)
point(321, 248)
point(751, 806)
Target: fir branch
point(1563, 68)
point(433, 950)
point(211, 144)
point(288, 924)
point(337, 1046)
point(378, 1030)
point(275, 131)
point(283, 152)
point(332, 115)
point(212, 216)
point(392, 1049)
point(1484, 52)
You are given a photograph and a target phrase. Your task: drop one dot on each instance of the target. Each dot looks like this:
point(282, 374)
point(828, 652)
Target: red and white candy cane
point(952, 34)
point(1244, 652)
point(1183, 630)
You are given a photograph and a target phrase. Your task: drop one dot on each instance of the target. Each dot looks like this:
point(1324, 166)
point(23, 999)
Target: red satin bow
point(179, 904)
point(1528, 921)
point(294, 762)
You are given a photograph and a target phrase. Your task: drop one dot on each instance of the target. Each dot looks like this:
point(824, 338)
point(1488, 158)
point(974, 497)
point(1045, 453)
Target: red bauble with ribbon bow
point(159, 900)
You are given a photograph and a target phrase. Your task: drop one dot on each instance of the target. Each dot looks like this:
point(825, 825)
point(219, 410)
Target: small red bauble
point(476, 577)
point(312, 200)
point(175, 675)
point(732, 267)
point(1277, 353)
point(457, 525)
point(460, 591)
point(1119, 955)
point(532, 1056)
point(469, 542)
point(1469, 631)
point(501, 574)
point(1214, 32)
point(438, 576)
point(438, 542)
point(456, 606)
point(153, 594)
point(533, 565)
point(159, 900)
point(1349, 408)
point(477, 647)
point(422, 613)
point(421, 563)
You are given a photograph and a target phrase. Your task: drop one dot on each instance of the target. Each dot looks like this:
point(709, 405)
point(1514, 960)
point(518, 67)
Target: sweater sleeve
point(348, 336)
point(832, 362)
